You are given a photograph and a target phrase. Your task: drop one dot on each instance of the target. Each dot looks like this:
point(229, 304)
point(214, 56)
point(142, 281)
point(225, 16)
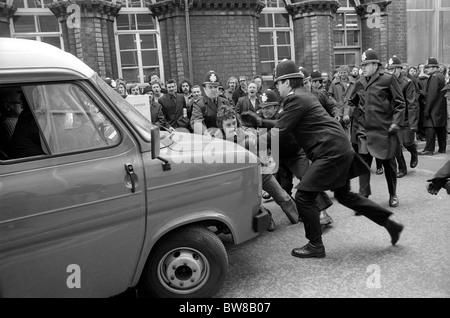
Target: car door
point(72, 218)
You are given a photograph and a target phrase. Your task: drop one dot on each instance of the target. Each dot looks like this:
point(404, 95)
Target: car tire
point(191, 262)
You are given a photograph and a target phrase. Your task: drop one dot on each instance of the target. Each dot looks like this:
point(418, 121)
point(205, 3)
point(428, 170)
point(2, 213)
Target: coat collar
point(373, 78)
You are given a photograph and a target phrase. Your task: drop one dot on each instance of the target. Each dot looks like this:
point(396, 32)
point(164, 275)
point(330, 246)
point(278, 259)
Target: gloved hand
point(250, 118)
point(393, 129)
point(435, 185)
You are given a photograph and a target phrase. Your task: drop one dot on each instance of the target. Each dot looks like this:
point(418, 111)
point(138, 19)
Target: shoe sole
point(309, 256)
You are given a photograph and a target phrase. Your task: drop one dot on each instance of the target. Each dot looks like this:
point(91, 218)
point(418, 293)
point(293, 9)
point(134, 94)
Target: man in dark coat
point(333, 161)
point(408, 127)
point(204, 110)
point(384, 111)
point(173, 106)
point(250, 102)
point(435, 110)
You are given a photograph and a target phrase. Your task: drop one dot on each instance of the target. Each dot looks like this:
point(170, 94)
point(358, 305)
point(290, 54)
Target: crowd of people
point(329, 129)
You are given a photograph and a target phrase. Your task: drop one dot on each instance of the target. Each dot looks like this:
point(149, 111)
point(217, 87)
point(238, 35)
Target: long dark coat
point(384, 105)
point(411, 118)
point(435, 110)
point(323, 139)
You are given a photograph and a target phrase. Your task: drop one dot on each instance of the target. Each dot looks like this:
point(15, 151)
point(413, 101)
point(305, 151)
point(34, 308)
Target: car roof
point(30, 60)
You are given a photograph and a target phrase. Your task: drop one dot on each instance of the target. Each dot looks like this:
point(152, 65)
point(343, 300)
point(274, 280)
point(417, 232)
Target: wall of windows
point(33, 21)
point(275, 36)
point(428, 25)
point(137, 45)
point(347, 36)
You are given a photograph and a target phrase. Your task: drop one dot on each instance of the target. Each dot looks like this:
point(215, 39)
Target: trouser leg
point(378, 163)
point(442, 138)
point(309, 213)
point(364, 180)
point(362, 205)
point(414, 155)
point(430, 138)
point(390, 172)
point(401, 163)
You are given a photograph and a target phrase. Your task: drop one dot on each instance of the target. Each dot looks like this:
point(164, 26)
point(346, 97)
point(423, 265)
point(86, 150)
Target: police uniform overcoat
point(204, 111)
point(323, 139)
point(411, 118)
point(384, 105)
point(435, 110)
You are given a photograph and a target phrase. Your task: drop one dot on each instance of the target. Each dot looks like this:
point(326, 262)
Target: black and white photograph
point(228, 156)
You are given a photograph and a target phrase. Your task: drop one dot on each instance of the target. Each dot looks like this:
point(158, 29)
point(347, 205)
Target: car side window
point(60, 118)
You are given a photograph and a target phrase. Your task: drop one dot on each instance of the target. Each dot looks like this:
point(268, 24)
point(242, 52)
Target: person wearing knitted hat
point(204, 110)
point(435, 110)
point(381, 100)
point(408, 127)
point(333, 161)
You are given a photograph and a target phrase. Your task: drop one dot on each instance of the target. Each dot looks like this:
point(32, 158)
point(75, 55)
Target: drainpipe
point(188, 35)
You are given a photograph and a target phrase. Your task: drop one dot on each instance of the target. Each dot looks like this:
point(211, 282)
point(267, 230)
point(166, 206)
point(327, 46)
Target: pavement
point(360, 260)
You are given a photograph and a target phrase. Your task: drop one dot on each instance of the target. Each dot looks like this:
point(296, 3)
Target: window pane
point(343, 3)
point(134, 3)
point(281, 20)
point(284, 52)
point(351, 21)
point(265, 38)
point(145, 22)
point(24, 24)
point(420, 4)
point(129, 58)
point(131, 75)
point(150, 58)
point(338, 38)
point(127, 41)
point(283, 38)
point(48, 23)
point(350, 59)
point(69, 119)
point(339, 21)
point(148, 41)
point(55, 41)
point(445, 3)
point(19, 3)
point(267, 68)
point(444, 40)
point(265, 20)
point(31, 3)
point(352, 38)
point(421, 42)
point(272, 3)
point(125, 22)
point(46, 2)
point(266, 53)
point(339, 59)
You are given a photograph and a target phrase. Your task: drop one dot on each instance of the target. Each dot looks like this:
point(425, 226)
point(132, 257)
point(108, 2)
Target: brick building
point(183, 39)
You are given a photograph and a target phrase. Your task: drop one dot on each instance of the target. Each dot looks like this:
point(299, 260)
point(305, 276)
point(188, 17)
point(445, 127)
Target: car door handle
point(130, 172)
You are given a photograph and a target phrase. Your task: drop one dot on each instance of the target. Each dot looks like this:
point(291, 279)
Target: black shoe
point(401, 174)
point(441, 151)
point(393, 201)
point(308, 251)
point(379, 171)
point(414, 161)
point(394, 230)
point(426, 153)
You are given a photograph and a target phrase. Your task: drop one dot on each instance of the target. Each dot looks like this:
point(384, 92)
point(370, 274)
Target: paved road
point(360, 260)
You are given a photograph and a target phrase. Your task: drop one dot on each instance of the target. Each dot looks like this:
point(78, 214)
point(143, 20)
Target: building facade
point(184, 39)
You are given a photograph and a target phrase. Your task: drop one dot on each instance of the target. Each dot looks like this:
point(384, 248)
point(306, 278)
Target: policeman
point(408, 127)
point(204, 110)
